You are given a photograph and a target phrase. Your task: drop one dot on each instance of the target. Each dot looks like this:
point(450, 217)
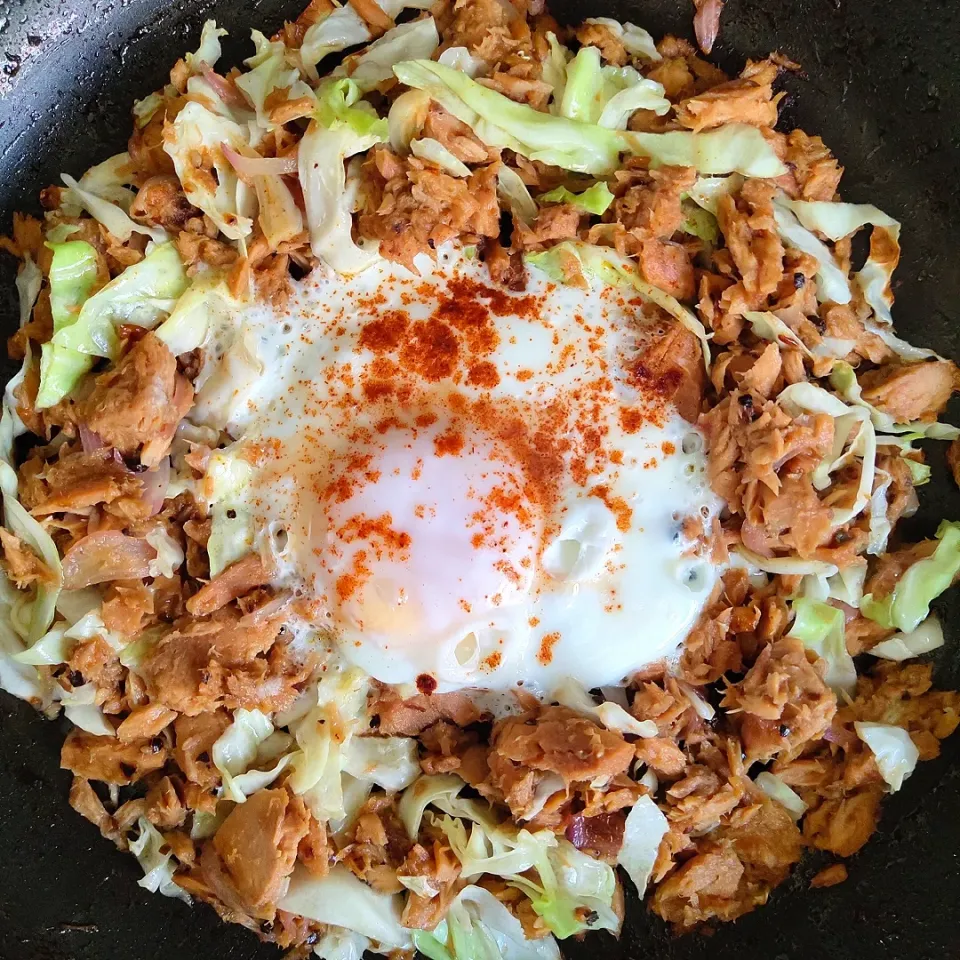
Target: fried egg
point(463, 486)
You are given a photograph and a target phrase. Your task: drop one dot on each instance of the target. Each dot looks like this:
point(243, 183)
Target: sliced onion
point(706, 23)
point(225, 90)
point(107, 555)
point(91, 441)
point(257, 166)
point(155, 483)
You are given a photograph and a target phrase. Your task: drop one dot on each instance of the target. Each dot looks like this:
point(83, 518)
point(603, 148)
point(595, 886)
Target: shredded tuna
point(843, 825)
point(85, 801)
point(136, 407)
point(440, 866)
point(161, 202)
point(223, 660)
point(78, 481)
point(916, 391)
point(783, 700)
point(21, 564)
point(552, 740)
point(815, 173)
point(144, 723)
point(488, 28)
point(412, 207)
point(748, 99)
point(110, 761)
point(953, 461)
point(748, 227)
point(672, 365)
point(237, 580)
point(194, 738)
point(829, 876)
point(257, 844)
point(610, 46)
point(411, 716)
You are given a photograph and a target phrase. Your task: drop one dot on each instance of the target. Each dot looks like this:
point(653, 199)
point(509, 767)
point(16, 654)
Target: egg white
point(592, 582)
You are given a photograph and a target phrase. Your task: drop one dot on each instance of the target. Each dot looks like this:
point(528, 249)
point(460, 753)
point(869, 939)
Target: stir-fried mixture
point(457, 456)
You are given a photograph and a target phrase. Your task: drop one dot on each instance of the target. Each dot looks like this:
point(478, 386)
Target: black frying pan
point(883, 89)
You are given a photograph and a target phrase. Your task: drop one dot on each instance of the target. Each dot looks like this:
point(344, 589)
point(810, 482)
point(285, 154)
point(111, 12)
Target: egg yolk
point(435, 538)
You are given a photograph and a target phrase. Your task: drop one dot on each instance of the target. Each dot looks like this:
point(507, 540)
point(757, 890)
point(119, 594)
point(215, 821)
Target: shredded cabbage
point(433, 151)
point(699, 223)
point(208, 53)
point(820, 628)
point(768, 326)
point(272, 67)
point(573, 892)
point(143, 294)
point(422, 793)
point(145, 109)
point(80, 708)
point(583, 87)
point(479, 927)
point(344, 27)
point(584, 147)
point(499, 121)
point(237, 747)
point(837, 220)
point(777, 790)
point(73, 275)
point(499, 850)
point(52, 648)
point(570, 694)
point(637, 41)
point(29, 282)
point(808, 398)
point(893, 749)
point(904, 646)
point(923, 582)
point(570, 883)
point(460, 58)
point(280, 217)
point(390, 762)
point(231, 537)
point(30, 612)
point(513, 191)
point(624, 92)
point(416, 40)
point(880, 527)
point(342, 900)
point(205, 308)
point(158, 867)
point(323, 737)
point(786, 565)
point(194, 142)
point(344, 126)
point(707, 191)
point(595, 199)
point(643, 831)
point(169, 552)
point(111, 215)
point(832, 285)
point(733, 148)
point(340, 944)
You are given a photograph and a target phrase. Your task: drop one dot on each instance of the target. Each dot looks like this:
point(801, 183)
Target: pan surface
point(882, 88)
